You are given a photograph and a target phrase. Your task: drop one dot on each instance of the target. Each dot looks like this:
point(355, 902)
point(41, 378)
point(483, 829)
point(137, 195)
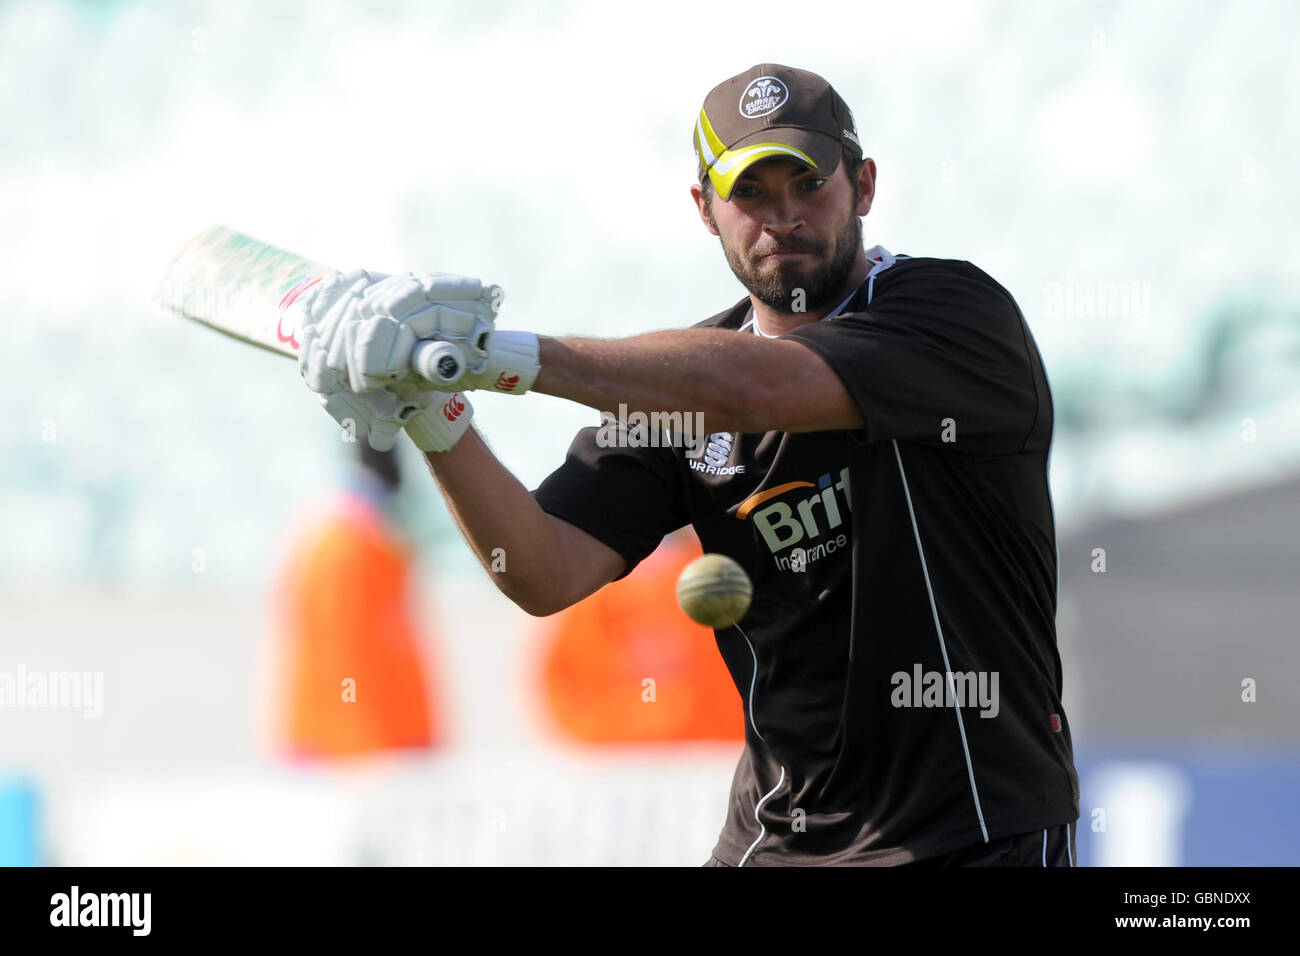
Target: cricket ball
point(714, 591)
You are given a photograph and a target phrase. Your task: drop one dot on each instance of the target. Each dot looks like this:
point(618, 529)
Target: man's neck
point(771, 322)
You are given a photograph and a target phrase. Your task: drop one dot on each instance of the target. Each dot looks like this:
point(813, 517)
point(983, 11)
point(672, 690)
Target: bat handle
point(440, 362)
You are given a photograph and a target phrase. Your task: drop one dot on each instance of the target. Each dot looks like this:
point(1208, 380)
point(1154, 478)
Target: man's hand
point(434, 420)
point(369, 339)
point(322, 307)
point(374, 341)
point(509, 364)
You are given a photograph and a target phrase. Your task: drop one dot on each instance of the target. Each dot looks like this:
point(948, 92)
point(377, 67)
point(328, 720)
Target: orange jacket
point(355, 669)
point(604, 650)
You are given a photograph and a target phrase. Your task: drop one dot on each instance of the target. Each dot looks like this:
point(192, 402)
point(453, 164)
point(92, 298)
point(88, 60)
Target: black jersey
point(898, 665)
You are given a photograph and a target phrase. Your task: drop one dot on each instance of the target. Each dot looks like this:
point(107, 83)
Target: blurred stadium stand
point(1193, 602)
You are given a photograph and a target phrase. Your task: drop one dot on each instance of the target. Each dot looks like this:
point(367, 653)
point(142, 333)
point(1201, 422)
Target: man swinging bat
point(878, 434)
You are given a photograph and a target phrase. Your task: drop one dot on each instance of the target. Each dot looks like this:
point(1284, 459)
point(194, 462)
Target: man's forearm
point(539, 562)
point(739, 383)
point(688, 370)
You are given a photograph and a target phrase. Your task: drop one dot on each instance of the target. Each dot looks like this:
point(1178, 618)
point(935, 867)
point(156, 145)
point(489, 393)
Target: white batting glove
point(375, 341)
point(435, 421)
point(509, 364)
point(319, 312)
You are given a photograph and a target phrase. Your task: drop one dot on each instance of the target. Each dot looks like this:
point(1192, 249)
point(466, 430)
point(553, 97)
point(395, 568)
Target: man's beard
point(779, 289)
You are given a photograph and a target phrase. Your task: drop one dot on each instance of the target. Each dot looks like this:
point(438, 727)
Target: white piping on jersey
point(753, 678)
point(762, 830)
point(943, 647)
point(1044, 846)
point(1069, 854)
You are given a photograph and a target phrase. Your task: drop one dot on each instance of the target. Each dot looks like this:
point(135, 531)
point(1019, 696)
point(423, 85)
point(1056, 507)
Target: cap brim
point(817, 151)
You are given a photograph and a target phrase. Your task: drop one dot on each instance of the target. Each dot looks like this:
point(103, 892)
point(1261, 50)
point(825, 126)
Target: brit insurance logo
point(764, 95)
point(807, 521)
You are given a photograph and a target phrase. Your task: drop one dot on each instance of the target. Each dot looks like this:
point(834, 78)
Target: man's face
point(786, 229)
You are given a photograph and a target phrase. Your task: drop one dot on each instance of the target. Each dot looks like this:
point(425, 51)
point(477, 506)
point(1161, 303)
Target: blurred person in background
point(356, 677)
point(627, 665)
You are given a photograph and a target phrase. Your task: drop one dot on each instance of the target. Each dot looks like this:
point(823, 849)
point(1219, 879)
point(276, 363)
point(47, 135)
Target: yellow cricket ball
point(714, 591)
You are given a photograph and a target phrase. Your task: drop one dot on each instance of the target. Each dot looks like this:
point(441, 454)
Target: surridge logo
point(851, 134)
point(782, 526)
point(764, 95)
point(716, 454)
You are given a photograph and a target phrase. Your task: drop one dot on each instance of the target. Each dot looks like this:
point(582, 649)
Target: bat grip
point(439, 362)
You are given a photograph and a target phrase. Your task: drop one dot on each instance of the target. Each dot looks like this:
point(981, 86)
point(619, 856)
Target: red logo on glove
point(453, 407)
point(289, 299)
point(506, 383)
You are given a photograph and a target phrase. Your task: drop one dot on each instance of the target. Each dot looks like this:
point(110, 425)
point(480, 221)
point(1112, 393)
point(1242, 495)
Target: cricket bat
point(243, 288)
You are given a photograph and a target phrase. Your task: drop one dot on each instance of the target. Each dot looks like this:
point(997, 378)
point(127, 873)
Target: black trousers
point(1053, 846)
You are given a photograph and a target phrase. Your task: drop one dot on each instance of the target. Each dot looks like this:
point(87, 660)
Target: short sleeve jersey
point(898, 665)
